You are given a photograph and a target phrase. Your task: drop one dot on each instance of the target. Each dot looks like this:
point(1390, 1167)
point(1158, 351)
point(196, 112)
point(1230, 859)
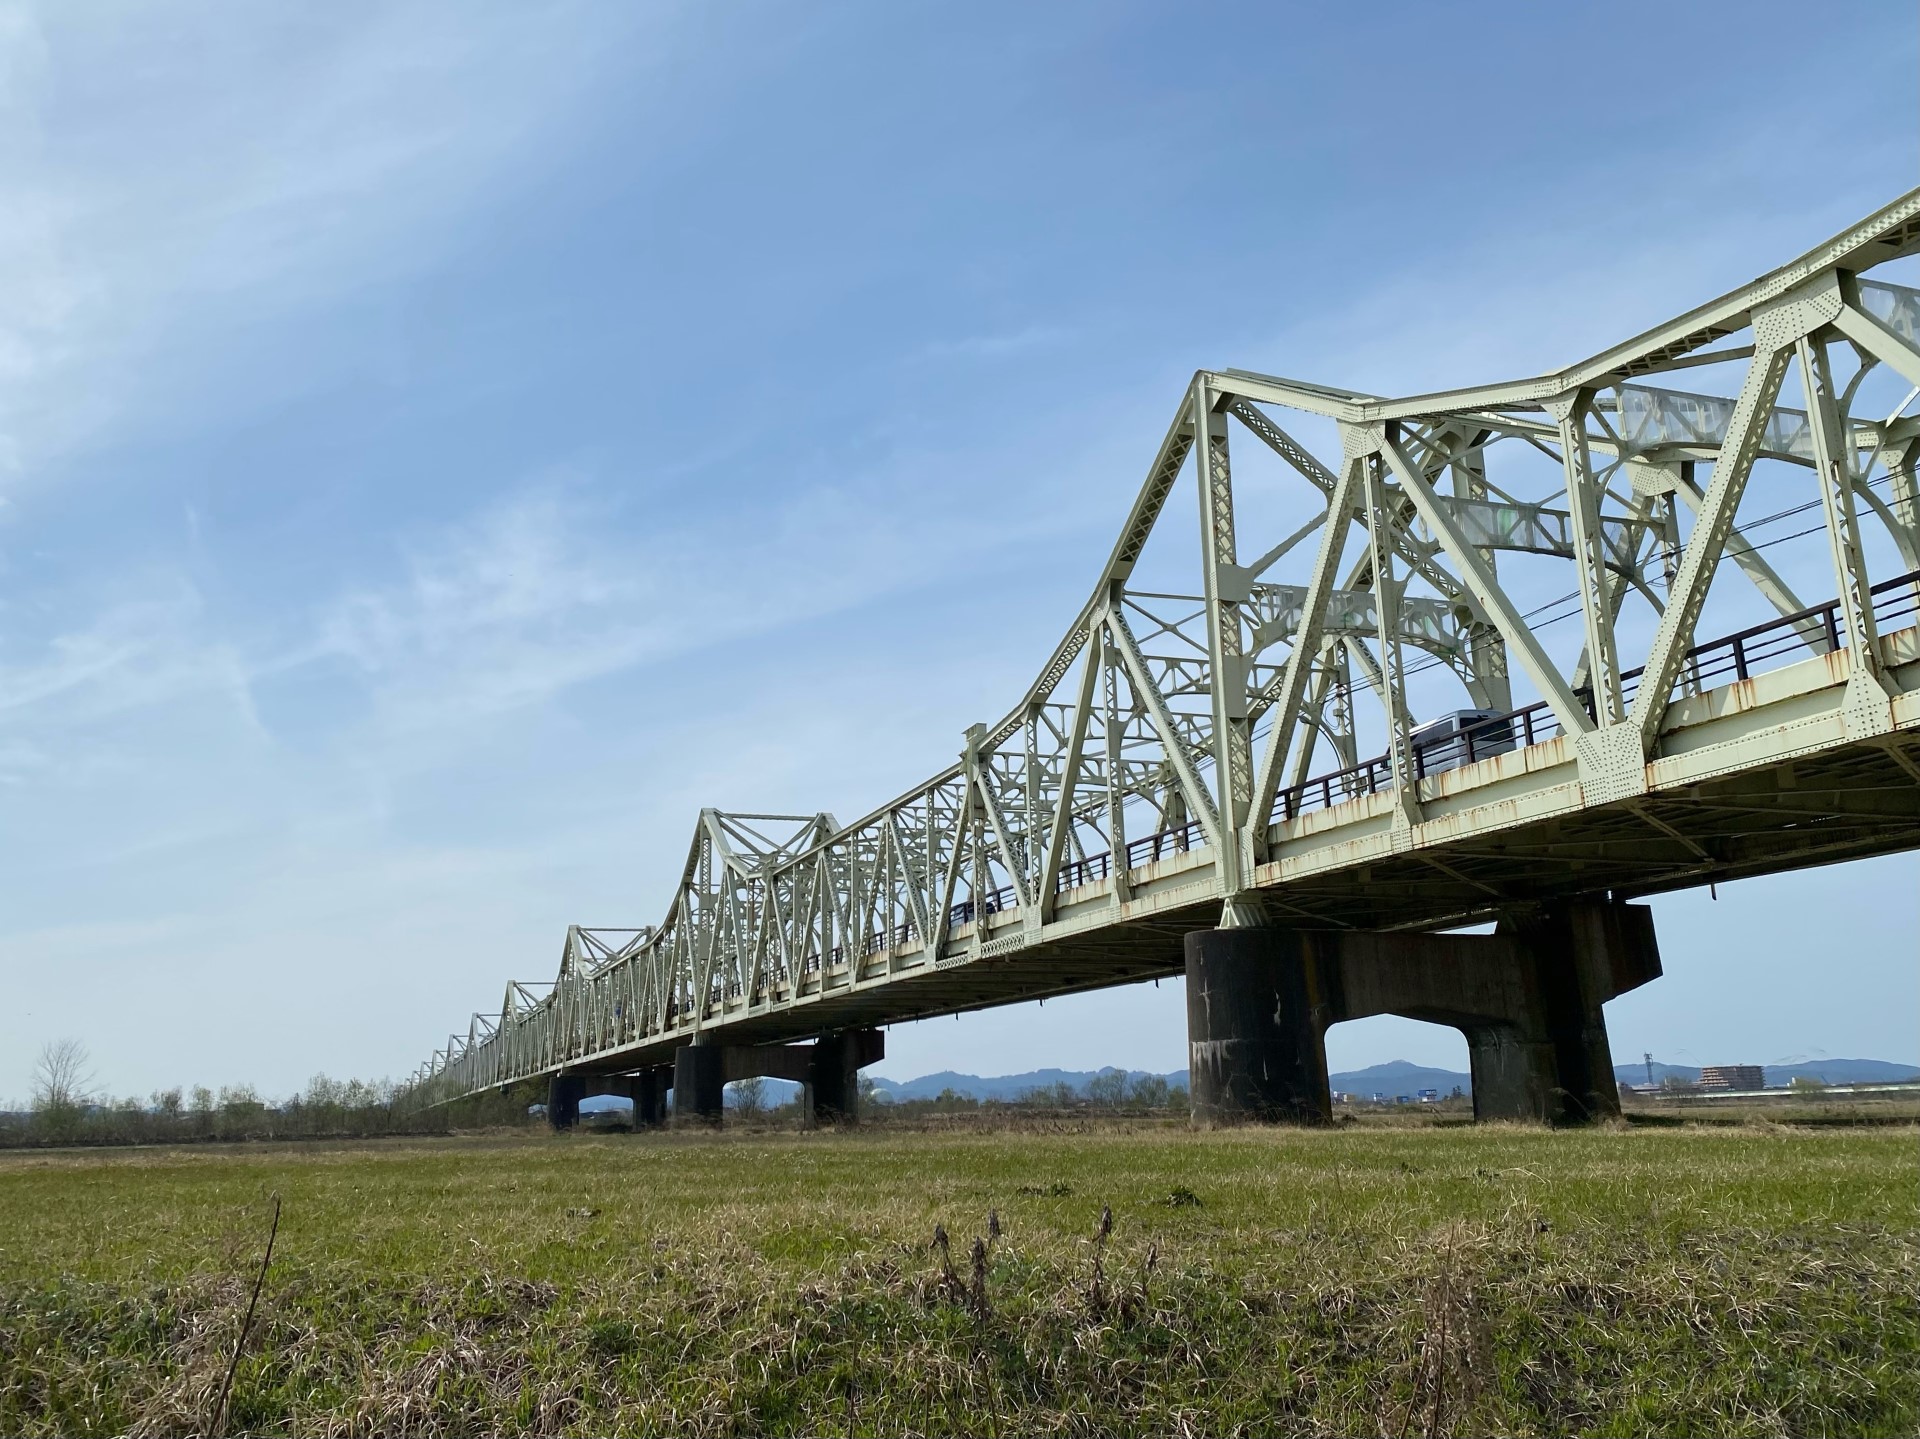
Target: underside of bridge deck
point(1821, 808)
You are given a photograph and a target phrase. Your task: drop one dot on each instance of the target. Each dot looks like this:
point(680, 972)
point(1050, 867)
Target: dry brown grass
point(1393, 1283)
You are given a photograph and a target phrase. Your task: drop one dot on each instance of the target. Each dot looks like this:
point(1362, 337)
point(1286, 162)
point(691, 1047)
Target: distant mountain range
point(1395, 1078)
point(1001, 1086)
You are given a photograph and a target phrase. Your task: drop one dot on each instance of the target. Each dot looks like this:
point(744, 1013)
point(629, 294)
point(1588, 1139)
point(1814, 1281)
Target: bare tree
point(61, 1081)
point(749, 1096)
point(1150, 1091)
point(61, 1078)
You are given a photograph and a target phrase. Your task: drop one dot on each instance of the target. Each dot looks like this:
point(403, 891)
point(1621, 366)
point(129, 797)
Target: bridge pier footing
point(1527, 997)
point(564, 1093)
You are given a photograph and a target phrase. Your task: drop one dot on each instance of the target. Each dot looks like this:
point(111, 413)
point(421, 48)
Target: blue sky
point(444, 446)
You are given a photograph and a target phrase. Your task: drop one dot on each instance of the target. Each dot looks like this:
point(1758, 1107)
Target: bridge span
point(1376, 693)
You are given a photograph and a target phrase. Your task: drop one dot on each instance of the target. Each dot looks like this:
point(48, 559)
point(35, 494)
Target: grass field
point(1717, 1280)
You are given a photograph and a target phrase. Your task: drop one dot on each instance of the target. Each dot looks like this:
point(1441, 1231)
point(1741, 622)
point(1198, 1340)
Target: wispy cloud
point(999, 345)
point(67, 699)
point(507, 607)
point(542, 590)
point(242, 172)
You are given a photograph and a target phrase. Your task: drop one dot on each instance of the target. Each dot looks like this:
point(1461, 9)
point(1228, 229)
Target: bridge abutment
point(1528, 999)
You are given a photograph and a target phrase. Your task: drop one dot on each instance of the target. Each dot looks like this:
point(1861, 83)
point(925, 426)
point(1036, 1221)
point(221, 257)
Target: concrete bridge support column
point(699, 1085)
point(1548, 1056)
point(1254, 1048)
point(564, 1093)
point(1527, 997)
point(832, 1093)
point(828, 1071)
point(649, 1089)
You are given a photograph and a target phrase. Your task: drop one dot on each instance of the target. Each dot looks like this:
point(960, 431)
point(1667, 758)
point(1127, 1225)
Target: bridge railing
point(1167, 842)
point(1091, 870)
point(1739, 656)
point(1727, 659)
point(992, 902)
point(1150, 847)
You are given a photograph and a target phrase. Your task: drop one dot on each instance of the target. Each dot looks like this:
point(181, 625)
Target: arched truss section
point(1191, 735)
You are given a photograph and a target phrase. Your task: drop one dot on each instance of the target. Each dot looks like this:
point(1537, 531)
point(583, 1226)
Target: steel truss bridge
point(1252, 751)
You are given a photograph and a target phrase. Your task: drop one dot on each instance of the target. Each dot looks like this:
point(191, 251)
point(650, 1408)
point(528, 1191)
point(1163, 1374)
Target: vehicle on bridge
point(1463, 737)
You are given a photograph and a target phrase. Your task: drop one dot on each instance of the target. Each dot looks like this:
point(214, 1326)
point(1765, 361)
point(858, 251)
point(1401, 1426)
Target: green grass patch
point(1724, 1280)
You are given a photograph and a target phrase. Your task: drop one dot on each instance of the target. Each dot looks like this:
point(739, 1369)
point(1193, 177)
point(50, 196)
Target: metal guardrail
point(1145, 850)
point(1728, 658)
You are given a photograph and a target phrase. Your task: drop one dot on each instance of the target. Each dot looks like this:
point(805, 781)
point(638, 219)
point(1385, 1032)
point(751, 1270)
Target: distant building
point(1429, 1096)
point(1733, 1076)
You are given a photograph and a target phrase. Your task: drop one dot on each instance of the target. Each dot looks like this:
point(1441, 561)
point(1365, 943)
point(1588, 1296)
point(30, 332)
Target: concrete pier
point(699, 1085)
point(1254, 1027)
point(649, 1090)
point(828, 1071)
point(564, 1093)
point(1527, 997)
point(832, 1094)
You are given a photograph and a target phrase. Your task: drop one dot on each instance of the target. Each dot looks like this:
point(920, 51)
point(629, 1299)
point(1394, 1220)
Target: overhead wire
point(1665, 554)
